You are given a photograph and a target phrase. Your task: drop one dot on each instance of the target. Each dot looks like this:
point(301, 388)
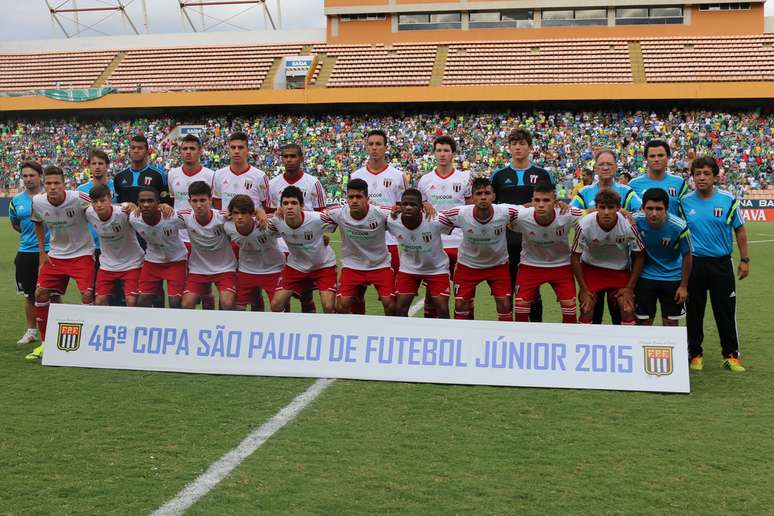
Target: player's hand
point(129, 207)
point(743, 270)
point(261, 218)
point(625, 299)
point(42, 260)
point(394, 211)
point(563, 207)
point(326, 238)
point(588, 301)
point(628, 216)
point(166, 210)
point(681, 295)
point(279, 213)
point(429, 210)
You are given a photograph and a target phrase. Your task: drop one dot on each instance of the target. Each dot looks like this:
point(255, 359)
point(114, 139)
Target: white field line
point(759, 241)
point(219, 469)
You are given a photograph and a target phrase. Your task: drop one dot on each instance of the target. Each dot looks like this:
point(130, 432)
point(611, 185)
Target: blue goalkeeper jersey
point(665, 247)
point(19, 211)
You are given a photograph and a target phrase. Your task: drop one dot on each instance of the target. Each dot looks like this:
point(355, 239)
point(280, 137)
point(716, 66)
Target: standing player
point(140, 174)
point(72, 248)
point(657, 154)
point(165, 253)
point(513, 184)
point(28, 257)
point(445, 188)
point(311, 263)
point(260, 259)
point(668, 262)
point(605, 167)
point(121, 258)
point(386, 184)
point(422, 256)
point(483, 253)
point(212, 259)
point(545, 253)
point(713, 215)
point(365, 259)
point(601, 250)
point(239, 177)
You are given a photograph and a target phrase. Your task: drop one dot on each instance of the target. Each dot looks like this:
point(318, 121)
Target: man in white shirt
point(239, 177)
point(192, 170)
point(601, 250)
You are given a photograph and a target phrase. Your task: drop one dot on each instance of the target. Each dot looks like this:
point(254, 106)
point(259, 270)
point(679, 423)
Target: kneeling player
point(311, 263)
point(121, 257)
point(483, 253)
point(260, 259)
point(422, 256)
point(545, 252)
point(212, 259)
point(600, 257)
point(668, 261)
point(165, 253)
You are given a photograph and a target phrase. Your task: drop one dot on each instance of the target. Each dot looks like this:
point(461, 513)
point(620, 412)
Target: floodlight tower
point(187, 6)
point(68, 12)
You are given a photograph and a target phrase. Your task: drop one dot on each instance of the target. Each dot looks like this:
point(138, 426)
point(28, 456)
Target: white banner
point(369, 348)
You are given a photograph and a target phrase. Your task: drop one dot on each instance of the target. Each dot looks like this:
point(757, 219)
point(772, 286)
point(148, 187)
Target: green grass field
point(86, 441)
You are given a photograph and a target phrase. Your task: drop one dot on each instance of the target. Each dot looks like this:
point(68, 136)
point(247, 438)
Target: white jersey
point(385, 188)
point(164, 244)
point(253, 183)
point(310, 186)
point(483, 243)
point(179, 182)
point(363, 245)
point(545, 246)
point(445, 193)
point(120, 250)
point(70, 235)
point(307, 250)
point(421, 249)
point(608, 249)
point(211, 251)
point(258, 251)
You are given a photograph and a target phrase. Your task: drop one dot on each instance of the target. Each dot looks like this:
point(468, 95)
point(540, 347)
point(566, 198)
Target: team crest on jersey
point(559, 232)
point(387, 182)
point(620, 239)
point(263, 239)
point(116, 228)
point(533, 178)
point(672, 191)
point(498, 230)
point(666, 241)
point(718, 212)
point(148, 181)
point(308, 235)
point(168, 232)
point(427, 237)
point(373, 224)
point(658, 360)
point(457, 187)
point(69, 336)
point(218, 232)
point(248, 185)
point(70, 213)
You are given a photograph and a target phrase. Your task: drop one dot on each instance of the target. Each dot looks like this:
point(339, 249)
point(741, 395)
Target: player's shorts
point(199, 284)
point(451, 252)
point(394, 257)
point(649, 292)
point(106, 281)
point(299, 282)
point(466, 279)
point(352, 279)
point(26, 273)
point(408, 284)
point(154, 274)
point(56, 273)
point(601, 279)
point(249, 286)
point(529, 278)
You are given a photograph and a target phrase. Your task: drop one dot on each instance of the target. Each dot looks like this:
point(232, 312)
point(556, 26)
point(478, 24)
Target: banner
point(758, 215)
point(369, 348)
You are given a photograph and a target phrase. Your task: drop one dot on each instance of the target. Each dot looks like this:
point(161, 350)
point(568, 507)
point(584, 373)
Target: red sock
point(629, 322)
point(506, 316)
point(430, 311)
point(471, 314)
point(522, 313)
point(41, 316)
point(358, 306)
point(461, 315)
point(585, 320)
point(568, 314)
point(208, 302)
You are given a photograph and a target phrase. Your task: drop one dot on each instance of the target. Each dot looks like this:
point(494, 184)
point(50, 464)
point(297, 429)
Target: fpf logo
point(658, 360)
point(69, 336)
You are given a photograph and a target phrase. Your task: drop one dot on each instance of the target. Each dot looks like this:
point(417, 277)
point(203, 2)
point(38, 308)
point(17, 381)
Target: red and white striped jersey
point(363, 245)
point(252, 182)
point(119, 250)
point(608, 249)
point(445, 193)
point(483, 242)
point(306, 247)
point(211, 251)
point(545, 246)
point(179, 181)
point(70, 235)
point(258, 251)
point(385, 187)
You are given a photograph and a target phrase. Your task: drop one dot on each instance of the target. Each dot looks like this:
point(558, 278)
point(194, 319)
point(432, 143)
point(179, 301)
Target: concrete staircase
point(108, 71)
point(635, 58)
point(439, 66)
point(328, 63)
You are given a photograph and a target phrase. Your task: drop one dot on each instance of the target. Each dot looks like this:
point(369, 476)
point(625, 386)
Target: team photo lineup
point(654, 244)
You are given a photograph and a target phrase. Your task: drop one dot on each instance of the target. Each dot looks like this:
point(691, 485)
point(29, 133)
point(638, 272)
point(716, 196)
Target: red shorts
point(351, 281)
point(394, 257)
point(56, 273)
point(106, 281)
point(249, 286)
point(199, 284)
point(153, 276)
point(299, 282)
point(599, 279)
point(451, 252)
point(529, 279)
point(408, 284)
point(466, 279)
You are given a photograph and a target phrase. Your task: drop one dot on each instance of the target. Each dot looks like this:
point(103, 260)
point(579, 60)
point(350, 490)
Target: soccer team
point(646, 243)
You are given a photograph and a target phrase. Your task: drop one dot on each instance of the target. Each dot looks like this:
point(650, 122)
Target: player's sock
point(208, 302)
point(505, 316)
point(522, 313)
point(358, 306)
point(627, 322)
point(430, 311)
point(461, 315)
point(41, 316)
point(308, 306)
point(569, 314)
point(471, 314)
point(259, 306)
point(585, 320)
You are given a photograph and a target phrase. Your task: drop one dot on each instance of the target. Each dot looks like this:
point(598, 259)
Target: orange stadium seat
point(21, 72)
point(380, 65)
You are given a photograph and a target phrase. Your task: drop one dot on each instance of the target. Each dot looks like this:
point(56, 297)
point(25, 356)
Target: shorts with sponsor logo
point(299, 282)
point(601, 279)
point(352, 279)
point(56, 273)
point(199, 284)
point(451, 252)
point(394, 257)
point(650, 292)
point(408, 284)
point(153, 276)
point(106, 281)
point(466, 279)
point(529, 278)
point(26, 273)
point(249, 286)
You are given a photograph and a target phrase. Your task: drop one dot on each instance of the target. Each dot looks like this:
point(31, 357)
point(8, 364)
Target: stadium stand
point(21, 72)
point(380, 65)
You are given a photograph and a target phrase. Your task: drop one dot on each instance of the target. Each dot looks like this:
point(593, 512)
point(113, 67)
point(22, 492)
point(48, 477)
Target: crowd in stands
point(742, 142)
